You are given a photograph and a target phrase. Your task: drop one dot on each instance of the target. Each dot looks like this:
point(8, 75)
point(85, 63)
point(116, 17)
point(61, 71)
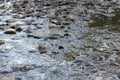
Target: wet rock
point(5, 71)
point(37, 36)
point(118, 76)
point(2, 51)
point(29, 30)
point(54, 36)
point(42, 48)
point(29, 22)
point(10, 20)
point(52, 25)
point(3, 27)
point(10, 78)
point(23, 67)
point(10, 31)
point(2, 42)
point(39, 26)
point(67, 34)
point(54, 21)
point(69, 57)
point(17, 28)
point(32, 50)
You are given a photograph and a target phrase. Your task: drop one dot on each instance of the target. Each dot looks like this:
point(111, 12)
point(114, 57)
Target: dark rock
point(2, 42)
point(61, 47)
point(118, 76)
point(54, 21)
point(67, 34)
point(5, 71)
point(43, 48)
point(17, 28)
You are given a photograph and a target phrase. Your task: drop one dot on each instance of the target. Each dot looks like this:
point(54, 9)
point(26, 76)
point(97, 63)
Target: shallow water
point(83, 43)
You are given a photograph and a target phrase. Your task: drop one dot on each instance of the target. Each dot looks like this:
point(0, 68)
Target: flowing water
point(59, 40)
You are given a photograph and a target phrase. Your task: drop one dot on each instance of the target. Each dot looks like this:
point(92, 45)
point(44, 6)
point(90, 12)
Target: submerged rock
point(2, 42)
point(42, 48)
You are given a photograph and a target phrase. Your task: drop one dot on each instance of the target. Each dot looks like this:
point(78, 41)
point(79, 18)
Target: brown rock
point(54, 36)
point(10, 78)
point(10, 20)
point(5, 71)
point(42, 48)
point(52, 25)
point(37, 36)
point(17, 28)
point(29, 30)
point(2, 42)
point(2, 51)
point(39, 26)
point(23, 68)
point(10, 31)
point(4, 27)
point(54, 21)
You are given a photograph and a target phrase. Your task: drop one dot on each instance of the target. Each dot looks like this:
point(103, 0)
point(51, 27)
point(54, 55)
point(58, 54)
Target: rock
point(29, 22)
point(43, 48)
point(54, 36)
point(10, 78)
point(69, 57)
point(118, 76)
point(39, 26)
point(67, 34)
point(5, 71)
point(61, 47)
point(32, 50)
point(37, 36)
point(29, 30)
point(3, 27)
point(7, 78)
point(17, 28)
point(52, 25)
point(10, 31)
point(23, 67)
point(54, 21)
point(2, 51)
point(10, 20)
point(2, 42)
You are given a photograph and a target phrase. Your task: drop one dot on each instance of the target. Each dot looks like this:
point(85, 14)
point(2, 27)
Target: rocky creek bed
point(60, 40)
